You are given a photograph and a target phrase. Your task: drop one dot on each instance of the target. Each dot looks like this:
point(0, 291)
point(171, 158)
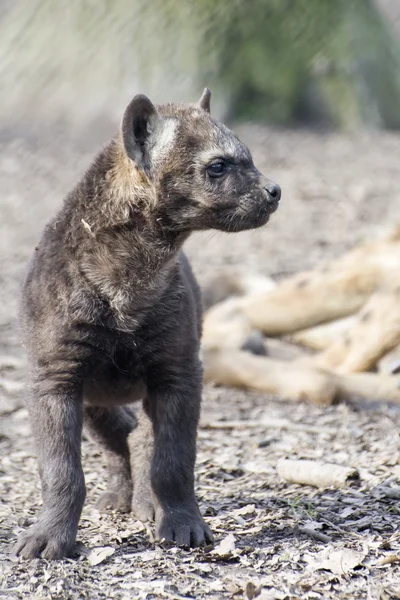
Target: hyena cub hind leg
point(110, 427)
point(141, 446)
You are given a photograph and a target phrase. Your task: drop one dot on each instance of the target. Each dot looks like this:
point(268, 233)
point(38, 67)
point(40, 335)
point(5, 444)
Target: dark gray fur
point(111, 314)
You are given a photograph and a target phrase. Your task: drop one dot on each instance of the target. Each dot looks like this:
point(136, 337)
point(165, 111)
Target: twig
point(266, 423)
point(315, 534)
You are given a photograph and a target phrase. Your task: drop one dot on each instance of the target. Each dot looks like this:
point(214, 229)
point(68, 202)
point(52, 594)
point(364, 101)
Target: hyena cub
point(111, 314)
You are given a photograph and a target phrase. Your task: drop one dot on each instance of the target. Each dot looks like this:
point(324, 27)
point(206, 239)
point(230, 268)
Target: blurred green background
point(332, 63)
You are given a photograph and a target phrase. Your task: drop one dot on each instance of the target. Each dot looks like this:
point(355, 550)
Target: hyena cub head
point(202, 176)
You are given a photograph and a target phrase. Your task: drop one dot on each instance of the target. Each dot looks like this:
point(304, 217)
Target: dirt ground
point(275, 540)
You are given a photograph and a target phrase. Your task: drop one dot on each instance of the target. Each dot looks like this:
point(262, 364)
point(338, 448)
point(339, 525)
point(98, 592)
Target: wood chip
point(317, 474)
point(391, 559)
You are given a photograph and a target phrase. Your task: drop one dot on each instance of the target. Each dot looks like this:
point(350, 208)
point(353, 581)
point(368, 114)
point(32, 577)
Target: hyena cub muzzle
point(111, 314)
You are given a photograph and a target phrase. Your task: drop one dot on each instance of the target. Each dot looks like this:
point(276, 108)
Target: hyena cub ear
point(205, 100)
point(138, 123)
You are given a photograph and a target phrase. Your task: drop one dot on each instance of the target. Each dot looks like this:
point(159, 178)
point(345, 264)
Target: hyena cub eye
point(218, 168)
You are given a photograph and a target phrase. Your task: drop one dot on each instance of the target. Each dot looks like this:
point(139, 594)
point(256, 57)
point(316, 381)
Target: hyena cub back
point(111, 314)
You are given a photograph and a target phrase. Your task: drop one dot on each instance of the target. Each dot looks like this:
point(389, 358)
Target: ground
point(278, 540)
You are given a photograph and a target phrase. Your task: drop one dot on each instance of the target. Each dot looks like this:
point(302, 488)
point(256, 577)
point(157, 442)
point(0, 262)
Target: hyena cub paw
point(38, 542)
point(115, 500)
point(185, 527)
point(143, 504)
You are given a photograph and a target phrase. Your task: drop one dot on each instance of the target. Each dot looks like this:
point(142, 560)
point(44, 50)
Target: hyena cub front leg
point(174, 408)
point(163, 451)
point(57, 424)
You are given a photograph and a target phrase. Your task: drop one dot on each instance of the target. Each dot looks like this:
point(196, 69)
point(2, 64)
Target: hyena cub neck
point(171, 170)
point(111, 314)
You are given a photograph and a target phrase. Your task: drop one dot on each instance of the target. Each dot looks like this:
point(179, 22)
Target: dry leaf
point(272, 594)
point(98, 555)
point(346, 512)
point(226, 548)
point(338, 562)
point(313, 525)
point(249, 509)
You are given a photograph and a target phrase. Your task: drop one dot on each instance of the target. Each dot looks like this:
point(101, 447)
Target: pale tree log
point(235, 282)
point(376, 386)
point(325, 294)
point(225, 326)
point(313, 297)
point(293, 381)
point(365, 281)
point(236, 368)
point(375, 332)
point(390, 362)
point(322, 336)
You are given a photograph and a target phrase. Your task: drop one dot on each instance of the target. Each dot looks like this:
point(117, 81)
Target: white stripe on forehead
point(225, 147)
point(225, 144)
point(163, 138)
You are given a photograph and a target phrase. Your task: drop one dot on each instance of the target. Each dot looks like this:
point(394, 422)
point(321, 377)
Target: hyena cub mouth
point(252, 209)
point(111, 314)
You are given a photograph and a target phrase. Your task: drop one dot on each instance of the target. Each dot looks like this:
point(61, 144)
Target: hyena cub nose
point(272, 193)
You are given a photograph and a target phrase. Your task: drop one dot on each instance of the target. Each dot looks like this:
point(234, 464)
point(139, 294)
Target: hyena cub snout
point(241, 197)
point(254, 204)
point(272, 192)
